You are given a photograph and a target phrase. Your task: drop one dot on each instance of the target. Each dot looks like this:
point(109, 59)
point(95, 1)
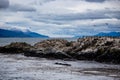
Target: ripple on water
point(19, 67)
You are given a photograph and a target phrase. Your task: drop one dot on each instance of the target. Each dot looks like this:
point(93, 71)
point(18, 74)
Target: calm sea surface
point(32, 41)
point(19, 67)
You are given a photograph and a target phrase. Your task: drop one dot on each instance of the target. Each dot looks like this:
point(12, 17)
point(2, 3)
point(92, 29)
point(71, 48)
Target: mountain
point(78, 36)
point(19, 33)
point(113, 34)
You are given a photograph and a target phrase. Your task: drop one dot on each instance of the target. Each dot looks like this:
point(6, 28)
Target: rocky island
point(101, 49)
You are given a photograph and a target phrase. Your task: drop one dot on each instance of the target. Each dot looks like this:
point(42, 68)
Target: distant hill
point(78, 36)
point(113, 34)
point(19, 33)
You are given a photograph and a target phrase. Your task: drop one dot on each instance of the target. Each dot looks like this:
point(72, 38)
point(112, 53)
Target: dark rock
point(108, 43)
point(86, 56)
point(10, 50)
point(17, 47)
point(34, 53)
point(65, 64)
point(47, 53)
point(62, 55)
point(68, 44)
point(110, 55)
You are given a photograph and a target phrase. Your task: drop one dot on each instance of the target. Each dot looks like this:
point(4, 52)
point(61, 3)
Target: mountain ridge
point(19, 33)
point(112, 34)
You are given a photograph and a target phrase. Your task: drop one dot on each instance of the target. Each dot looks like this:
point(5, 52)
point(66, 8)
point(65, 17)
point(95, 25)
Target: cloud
point(60, 18)
point(95, 0)
point(7, 27)
point(41, 2)
point(15, 5)
point(4, 4)
point(18, 7)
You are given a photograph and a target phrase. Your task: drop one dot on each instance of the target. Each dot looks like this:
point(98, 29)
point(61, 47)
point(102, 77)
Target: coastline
point(100, 49)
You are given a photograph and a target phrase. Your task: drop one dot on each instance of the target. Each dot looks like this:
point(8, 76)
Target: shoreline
point(100, 49)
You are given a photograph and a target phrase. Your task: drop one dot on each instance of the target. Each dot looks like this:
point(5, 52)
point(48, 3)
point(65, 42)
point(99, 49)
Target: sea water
point(32, 41)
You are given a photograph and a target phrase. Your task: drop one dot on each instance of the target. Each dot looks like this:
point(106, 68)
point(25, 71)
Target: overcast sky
point(61, 18)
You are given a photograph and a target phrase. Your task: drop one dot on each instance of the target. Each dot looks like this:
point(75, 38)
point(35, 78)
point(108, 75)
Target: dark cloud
point(58, 19)
point(115, 27)
point(95, 0)
point(45, 1)
point(17, 7)
point(4, 4)
point(41, 2)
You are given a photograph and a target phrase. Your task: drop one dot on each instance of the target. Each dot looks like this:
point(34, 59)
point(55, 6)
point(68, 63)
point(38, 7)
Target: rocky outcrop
point(110, 54)
point(47, 53)
point(16, 47)
point(102, 49)
point(49, 49)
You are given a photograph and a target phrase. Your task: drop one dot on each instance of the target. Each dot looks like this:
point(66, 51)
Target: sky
point(61, 18)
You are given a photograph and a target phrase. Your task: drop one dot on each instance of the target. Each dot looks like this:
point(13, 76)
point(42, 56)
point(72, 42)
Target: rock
point(47, 53)
point(57, 55)
point(17, 47)
point(56, 43)
point(62, 55)
point(102, 49)
point(34, 53)
point(110, 55)
point(54, 48)
point(65, 64)
point(89, 48)
point(86, 55)
point(11, 50)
